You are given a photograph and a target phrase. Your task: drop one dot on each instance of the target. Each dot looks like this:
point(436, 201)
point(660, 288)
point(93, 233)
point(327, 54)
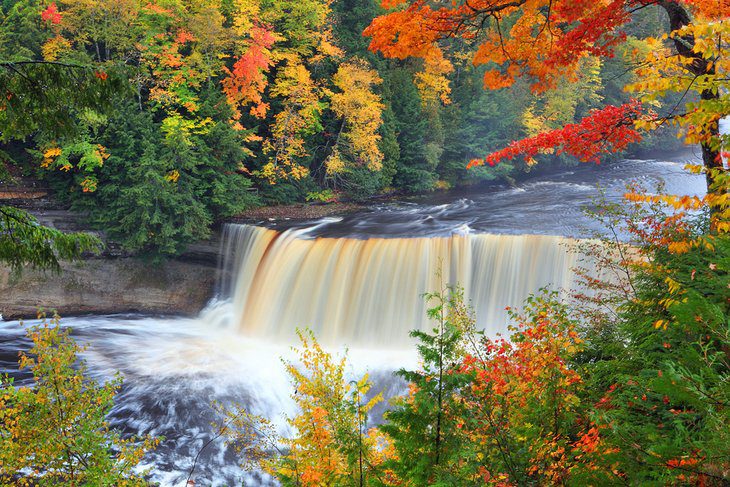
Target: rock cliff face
point(110, 283)
point(106, 285)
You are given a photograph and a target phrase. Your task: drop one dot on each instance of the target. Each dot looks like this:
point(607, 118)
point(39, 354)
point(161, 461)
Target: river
point(356, 281)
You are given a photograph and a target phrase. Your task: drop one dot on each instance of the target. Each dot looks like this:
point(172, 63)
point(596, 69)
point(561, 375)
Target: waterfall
point(369, 292)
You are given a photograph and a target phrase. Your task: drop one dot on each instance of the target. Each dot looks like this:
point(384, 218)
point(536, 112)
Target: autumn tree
point(546, 43)
point(331, 446)
point(54, 429)
point(655, 363)
point(360, 111)
point(174, 59)
point(525, 420)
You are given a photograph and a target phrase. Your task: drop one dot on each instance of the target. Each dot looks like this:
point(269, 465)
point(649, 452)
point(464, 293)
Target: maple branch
point(495, 8)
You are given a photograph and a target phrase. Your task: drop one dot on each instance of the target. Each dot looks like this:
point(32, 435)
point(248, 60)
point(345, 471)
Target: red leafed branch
point(608, 130)
point(246, 83)
point(51, 14)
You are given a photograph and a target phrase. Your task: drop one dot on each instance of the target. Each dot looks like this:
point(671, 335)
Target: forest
point(161, 119)
point(195, 112)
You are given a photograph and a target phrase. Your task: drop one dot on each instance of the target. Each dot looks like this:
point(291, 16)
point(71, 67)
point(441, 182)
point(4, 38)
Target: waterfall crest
point(369, 292)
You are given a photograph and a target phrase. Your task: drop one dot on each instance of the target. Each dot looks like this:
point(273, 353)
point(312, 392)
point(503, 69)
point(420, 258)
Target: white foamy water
point(369, 292)
point(340, 277)
point(173, 370)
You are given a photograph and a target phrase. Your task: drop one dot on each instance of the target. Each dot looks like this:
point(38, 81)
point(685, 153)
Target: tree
point(422, 426)
point(165, 183)
point(545, 42)
point(45, 100)
point(524, 419)
point(359, 113)
point(413, 171)
point(331, 447)
point(24, 241)
point(656, 365)
point(56, 432)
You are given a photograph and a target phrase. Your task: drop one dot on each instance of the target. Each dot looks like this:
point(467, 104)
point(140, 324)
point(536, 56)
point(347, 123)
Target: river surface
point(173, 368)
point(544, 205)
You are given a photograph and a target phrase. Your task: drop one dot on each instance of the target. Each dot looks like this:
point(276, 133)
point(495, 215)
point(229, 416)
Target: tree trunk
point(678, 18)
point(710, 155)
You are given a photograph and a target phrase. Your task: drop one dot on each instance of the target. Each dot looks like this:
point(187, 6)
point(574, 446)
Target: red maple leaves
point(608, 130)
point(51, 14)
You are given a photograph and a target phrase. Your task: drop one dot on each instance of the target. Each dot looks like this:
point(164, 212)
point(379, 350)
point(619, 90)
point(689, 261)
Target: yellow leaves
point(674, 201)
point(82, 156)
point(432, 82)
point(101, 153)
point(334, 163)
point(679, 247)
point(62, 418)
point(699, 69)
point(330, 413)
point(49, 156)
point(694, 168)
point(173, 176)
point(723, 226)
point(299, 115)
point(674, 286)
point(180, 129)
point(245, 14)
point(54, 47)
point(717, 200)
point(361, 112)
point(647, 124)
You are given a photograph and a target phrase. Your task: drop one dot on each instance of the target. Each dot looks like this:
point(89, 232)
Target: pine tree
point(422, 426)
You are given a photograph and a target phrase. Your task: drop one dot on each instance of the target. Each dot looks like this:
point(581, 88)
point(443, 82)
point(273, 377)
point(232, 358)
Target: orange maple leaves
point(246, 82)
point(543, 40)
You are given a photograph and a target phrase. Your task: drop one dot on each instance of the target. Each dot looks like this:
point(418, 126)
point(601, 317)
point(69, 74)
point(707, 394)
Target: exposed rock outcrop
point(104, 285)
point(110, 283)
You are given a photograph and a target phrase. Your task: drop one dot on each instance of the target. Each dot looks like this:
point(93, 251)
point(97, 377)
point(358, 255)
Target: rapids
point(356, 281)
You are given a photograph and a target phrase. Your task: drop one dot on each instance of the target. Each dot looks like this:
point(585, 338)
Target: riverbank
point(110, 283)
point(301, 211)
point(102, 285)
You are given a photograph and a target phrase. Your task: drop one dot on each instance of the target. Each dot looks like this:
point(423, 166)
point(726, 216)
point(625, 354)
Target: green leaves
point(56, 432)
point(24, 241)
point(422, 426)
point(45, 98)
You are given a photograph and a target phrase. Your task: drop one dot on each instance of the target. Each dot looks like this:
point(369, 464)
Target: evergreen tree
point(422, 426)
point(414, 172)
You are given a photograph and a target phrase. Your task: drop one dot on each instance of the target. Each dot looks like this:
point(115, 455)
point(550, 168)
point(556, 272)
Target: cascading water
point(369, 292)
point(359, 290)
